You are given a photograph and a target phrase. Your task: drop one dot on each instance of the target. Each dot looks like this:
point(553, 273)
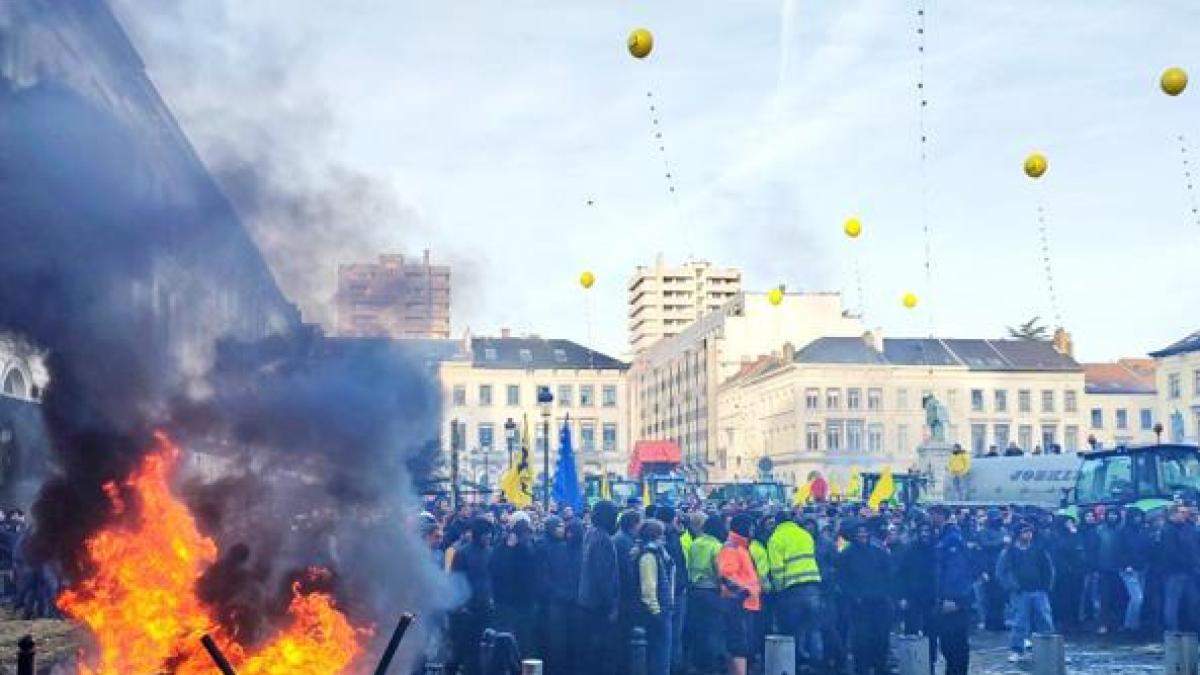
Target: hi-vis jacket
point(793, 557)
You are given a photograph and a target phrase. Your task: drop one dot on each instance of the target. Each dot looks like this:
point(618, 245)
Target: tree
point(1032, 329)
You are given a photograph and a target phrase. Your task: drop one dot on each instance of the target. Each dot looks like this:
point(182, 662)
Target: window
point(854, 436)
point(1147, 419)
point(560, 356)
point(1070, 401)
point(1048, 400)
point(1097, 418)
point(489, 354)
point(875, 439)
point(526, 356)
point(812, 399)
point(460, 395)
point(1049, 436)
point(485, 394)
point(833, 399)
point(978, 436)
point(564, 395)
point(1122, 418)
point(1000, 397)
point(610, 437)
point(952, 398)
point(1024, 401)
point(609, 396)
point(1071, 438)
point(1002, 432)
point(874, 399)
point(902, 399)
point(976, 400)
point(1025, 437)
point(833, 436)
point(853, 399)
point(1173, 386)
point(1106, 481)
point(587, 436)
point(812, 437)
point(487, 436)
point(902, 438)
point(514, 395)
point(587, 396)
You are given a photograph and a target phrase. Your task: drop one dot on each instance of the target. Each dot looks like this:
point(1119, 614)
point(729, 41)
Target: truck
point(1148, 477)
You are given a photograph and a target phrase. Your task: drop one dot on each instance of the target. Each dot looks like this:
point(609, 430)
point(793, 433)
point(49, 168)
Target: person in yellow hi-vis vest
point(796, 582)
point(706, 609)
point(763, 621)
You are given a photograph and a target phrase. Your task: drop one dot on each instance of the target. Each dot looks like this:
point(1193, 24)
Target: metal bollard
point(780, 655)
point(1049, 654)
point(1180, 653)
point(912, 654)
point(531, 667)
point(487, 647)
point(637, 651)
point(26, 650)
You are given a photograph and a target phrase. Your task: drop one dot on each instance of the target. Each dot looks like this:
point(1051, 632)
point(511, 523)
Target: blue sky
point(487, 126)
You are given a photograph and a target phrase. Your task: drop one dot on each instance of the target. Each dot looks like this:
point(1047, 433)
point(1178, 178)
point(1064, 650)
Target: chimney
point(789, 352)
point(1063, 344)
point(874, 339)
point(505, 333)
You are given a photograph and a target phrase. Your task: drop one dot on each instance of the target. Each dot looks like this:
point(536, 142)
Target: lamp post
point(545, 399)
point(487, 451)
point(1091, 441)
point(1158, 429)
point(454, 440)
point(510, 437)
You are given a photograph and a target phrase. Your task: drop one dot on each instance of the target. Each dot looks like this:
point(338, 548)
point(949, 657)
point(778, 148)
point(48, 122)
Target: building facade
point(673, 385)
point(855, 403)
point(1177, 379)
point(497, 383)
point(664, 300)
point(1121, 402)
point(396, 297)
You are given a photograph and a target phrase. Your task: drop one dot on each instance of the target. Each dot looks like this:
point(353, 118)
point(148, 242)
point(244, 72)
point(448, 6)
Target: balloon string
point(656, 129)
point(1046, 262)
point(922, 105)
point(862, 298)
point(587, 319)
point(1184, 156)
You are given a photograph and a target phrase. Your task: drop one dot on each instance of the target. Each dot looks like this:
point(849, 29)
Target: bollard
point(26, 650)
point(1049, 654)
point(1180, 653)
point(637, 651)
point(780, 656)
point(531, 667)
point(487, 645)
point(912, 654)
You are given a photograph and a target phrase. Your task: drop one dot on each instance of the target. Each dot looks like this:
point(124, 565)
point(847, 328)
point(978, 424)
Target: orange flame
point(140, 602)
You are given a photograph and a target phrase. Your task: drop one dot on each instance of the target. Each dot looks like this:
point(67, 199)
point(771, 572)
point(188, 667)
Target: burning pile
point(141, 605)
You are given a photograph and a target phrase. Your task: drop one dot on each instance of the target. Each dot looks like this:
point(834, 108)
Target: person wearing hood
point(516, 598)
point(865, 574)
point(1108, 570)
point(915, 576)
point(600, 591)
point(674, 546)
point(624, 542)
point(559, 562)
point(741, 590)
point(467, 623)
point(1135, 548)
point(952, 592)
point(992, 539)
point(1066, 551)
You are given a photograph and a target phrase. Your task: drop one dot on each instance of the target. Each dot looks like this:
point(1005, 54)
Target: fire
point(141, 606)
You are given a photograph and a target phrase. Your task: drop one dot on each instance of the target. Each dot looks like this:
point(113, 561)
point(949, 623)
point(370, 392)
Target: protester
point(1025, 569)
point(865, 574)
point(656, 596)
point(741, 590)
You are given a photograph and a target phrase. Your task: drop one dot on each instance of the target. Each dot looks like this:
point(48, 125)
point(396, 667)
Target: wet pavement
point(1090, 654)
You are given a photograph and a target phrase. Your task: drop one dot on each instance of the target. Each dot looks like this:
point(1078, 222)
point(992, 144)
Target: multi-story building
point(673, 384)
point(663, 300)
point(1121, 402)
point(395, 298)
point(856, 402)
point(1177, 379)
point(493, 388)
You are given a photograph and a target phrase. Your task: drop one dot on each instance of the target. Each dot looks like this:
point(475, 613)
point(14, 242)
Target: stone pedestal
point(933, 458)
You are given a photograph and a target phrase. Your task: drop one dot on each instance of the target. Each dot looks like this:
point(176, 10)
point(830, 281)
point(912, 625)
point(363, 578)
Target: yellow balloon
point(959, 464)
point(1036, 165)
point(587, 279)
point(775, 296)
point(1174, 81)
point(641, 43)
point(910, 300)
point(852, 228)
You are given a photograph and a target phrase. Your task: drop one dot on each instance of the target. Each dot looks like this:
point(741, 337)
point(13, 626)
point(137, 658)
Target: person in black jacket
point(914, 573)
point(1108, 570)
point(674, 546)
point(1026, 571)
point(1066, 550)
point(1135, 546)
point(600, 592)
point(624, 542)
point(473, 563)
point(559, 560)
point(865, 575)
point(952, 592)
point(516, 597)
point(1179, 560)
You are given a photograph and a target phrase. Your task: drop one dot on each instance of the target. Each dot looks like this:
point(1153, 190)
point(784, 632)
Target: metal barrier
point(26, 651)
point(779, 657)
point(531, 667)
point(1180, 653)
point(1049, 654)
point(912, 654)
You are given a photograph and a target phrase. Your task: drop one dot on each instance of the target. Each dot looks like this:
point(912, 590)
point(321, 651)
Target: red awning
point(649, 452)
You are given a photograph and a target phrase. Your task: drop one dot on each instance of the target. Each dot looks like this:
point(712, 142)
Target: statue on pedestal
point(937, 418)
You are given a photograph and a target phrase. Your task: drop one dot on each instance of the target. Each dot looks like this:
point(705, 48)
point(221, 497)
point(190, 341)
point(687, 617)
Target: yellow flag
point(605, 488)
point(646, 492)
point(517, 482)
point(802, 494)
point(884, 489)
point(854, 486)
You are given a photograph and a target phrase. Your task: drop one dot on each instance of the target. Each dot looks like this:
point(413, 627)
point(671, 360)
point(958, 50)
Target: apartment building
point(1121, 402)
point(665, 299)
point(396, 297)
point(1177, 379)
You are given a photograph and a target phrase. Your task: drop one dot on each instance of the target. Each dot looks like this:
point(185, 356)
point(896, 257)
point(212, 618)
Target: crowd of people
point(28, 588)
point(706, 583)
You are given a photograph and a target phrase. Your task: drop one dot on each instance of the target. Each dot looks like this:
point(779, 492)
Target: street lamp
point(1158, 429)
point(545, 399)
point(487, 452)
point(510, 436)
point(454, 441)
point(1092, 442)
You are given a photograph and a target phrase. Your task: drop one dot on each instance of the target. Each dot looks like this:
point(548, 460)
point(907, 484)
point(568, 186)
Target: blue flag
point(566, 479)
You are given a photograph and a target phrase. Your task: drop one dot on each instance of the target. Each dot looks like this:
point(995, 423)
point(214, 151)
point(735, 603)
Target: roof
point(983, 355)
point(1187, 345)
point(1117, 378)
point(538, 353)
point(648, 452)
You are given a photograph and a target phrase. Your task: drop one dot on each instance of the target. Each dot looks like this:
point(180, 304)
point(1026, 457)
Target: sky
point(482, 129)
